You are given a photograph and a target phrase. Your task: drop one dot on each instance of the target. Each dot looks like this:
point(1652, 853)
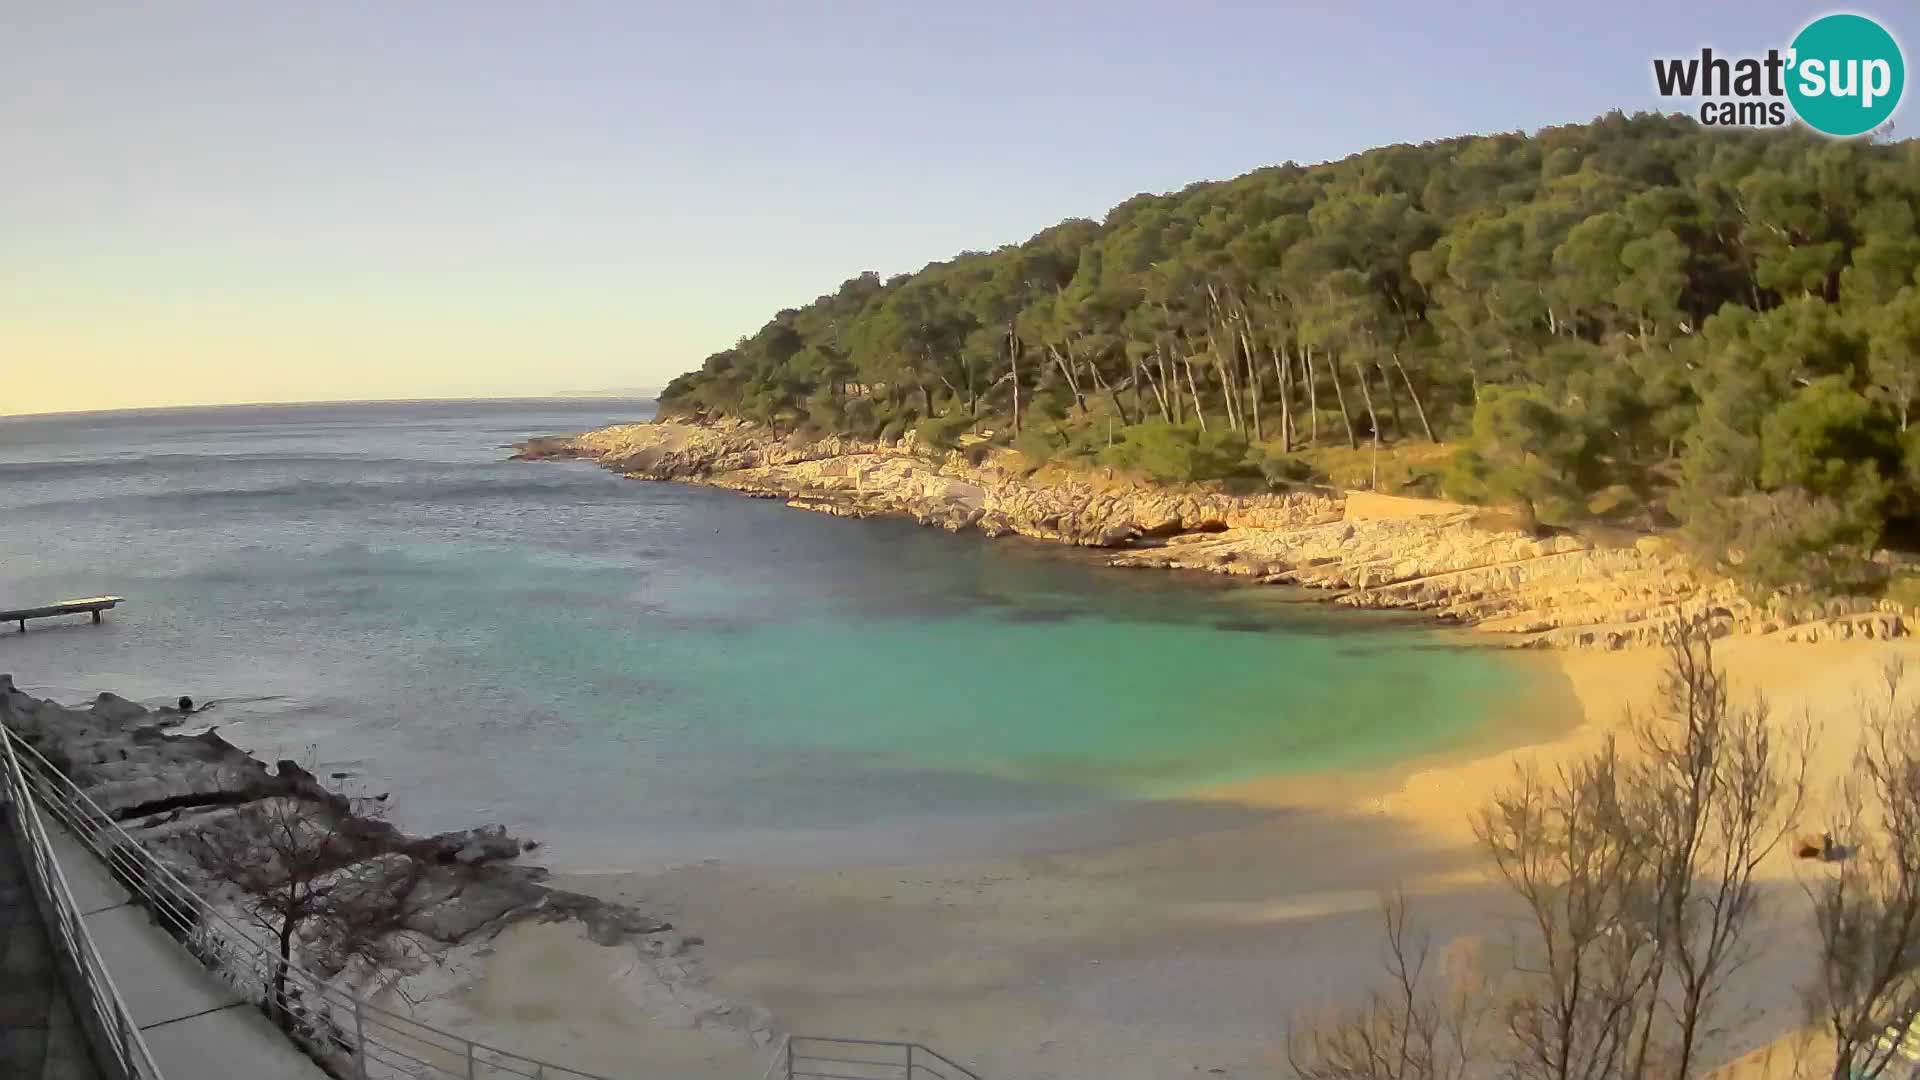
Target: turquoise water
point(637, 673)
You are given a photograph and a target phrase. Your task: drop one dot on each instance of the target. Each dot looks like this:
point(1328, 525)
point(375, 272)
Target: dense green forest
point(1636, 320)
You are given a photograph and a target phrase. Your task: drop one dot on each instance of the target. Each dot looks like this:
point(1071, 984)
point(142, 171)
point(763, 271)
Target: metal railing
point(118, 1047)
point(347, 1033)
point(814, 1057)
point(352, 1036)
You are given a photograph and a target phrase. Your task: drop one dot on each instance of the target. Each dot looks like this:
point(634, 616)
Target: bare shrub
point(1636, 872)
point(1867, 901)
point(302, 867)
point(1410, 1032)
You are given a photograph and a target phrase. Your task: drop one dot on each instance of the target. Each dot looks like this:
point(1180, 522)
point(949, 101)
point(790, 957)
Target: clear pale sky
point(219, 202)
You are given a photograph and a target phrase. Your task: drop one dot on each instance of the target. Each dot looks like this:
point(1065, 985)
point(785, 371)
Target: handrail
point(782, 1056)
point(363, 1040)
point(836, 1058)
point(359, 1039)
point(114, 1033)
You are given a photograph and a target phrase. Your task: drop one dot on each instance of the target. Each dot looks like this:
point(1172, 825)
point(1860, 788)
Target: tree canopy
point(1636, 318)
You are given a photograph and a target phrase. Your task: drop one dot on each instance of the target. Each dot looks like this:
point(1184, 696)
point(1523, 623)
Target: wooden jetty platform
point(92, 604)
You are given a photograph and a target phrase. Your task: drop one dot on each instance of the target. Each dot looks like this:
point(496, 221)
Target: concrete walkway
point(196, 1025)
point(39, 1038)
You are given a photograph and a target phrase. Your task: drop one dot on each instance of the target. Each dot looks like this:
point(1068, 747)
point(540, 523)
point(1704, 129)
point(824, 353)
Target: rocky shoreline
point(1456, 563)
point(166, 790)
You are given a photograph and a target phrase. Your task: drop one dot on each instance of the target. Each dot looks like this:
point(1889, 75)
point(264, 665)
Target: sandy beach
point(1175, 957)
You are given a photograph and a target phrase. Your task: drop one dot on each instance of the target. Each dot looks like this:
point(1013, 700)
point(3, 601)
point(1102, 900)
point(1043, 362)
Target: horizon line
point(297, 403)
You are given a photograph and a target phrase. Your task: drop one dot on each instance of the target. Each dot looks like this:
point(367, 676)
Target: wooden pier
point(93, 605)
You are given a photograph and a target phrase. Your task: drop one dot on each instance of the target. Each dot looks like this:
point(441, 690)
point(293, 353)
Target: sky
point(223, 201)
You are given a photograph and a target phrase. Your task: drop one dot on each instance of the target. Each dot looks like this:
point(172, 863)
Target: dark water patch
point(626, 602)
point(336, 566)
point(1038, 615)
point(1244, 626)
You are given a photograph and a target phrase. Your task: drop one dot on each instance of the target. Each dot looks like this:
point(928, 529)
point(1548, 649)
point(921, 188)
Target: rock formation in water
point(467, 886)
point(1455, 562)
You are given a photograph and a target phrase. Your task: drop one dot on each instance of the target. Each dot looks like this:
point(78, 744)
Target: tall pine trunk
point(1227, 389)
point(1393, 401)
point(1170, 381)
point(1159, 386)
point(1418, 409)
point(1373, 421)
point(1199, 413)
point(1313, 396)
point(1253, 381)
point(1340, 394)
point(1073, 384)
point(1106, 388)
point(1286, 399)
point(1013, 365)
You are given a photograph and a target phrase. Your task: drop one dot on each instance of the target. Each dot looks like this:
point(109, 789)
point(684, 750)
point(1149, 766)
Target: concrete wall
point(1373, 506)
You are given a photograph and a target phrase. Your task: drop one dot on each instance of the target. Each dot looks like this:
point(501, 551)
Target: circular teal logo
point(1846, 75)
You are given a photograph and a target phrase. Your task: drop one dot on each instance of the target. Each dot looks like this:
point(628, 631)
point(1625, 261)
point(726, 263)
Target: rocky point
point(1458, 563)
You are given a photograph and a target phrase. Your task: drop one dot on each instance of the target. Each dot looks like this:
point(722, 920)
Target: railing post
point(909, 1061)
point(97, 1002)
point(209, 936)
point(789, 1057)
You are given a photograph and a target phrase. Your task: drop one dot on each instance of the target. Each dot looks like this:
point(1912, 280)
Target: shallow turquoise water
point(640, 672)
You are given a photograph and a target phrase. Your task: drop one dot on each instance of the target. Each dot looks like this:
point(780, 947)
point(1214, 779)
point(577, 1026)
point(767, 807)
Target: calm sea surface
point(641, 673)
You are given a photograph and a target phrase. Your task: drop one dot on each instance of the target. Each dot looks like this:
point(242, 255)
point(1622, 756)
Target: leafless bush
point(1637, 875)
point(300, 865)
point(1867, 901)
point(1411, 1032)
point(1714, 791)
point(1564, 848)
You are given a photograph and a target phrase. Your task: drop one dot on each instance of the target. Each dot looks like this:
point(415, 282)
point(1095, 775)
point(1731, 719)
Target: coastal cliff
point(466, 888)
point(1458, 563)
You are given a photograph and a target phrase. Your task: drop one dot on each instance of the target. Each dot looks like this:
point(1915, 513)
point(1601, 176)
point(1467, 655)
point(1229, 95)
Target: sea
point(641, 675)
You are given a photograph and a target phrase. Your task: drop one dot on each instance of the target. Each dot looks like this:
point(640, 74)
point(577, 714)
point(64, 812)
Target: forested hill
point(1636, 319)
